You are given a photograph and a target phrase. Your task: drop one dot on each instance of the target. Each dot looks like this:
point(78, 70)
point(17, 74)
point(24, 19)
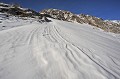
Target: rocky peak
point(57, 14)
point(17, 10)
point(67, 16)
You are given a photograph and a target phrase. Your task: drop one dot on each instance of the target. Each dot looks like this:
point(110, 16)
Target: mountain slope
point(17, 10)
point(9, 21)
point(33, 46)
point(108, 26)
point(58, 50)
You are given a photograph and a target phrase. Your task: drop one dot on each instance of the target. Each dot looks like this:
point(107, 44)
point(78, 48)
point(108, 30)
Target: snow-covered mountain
point(109, 26)
point(17, 10)
point(35, 48)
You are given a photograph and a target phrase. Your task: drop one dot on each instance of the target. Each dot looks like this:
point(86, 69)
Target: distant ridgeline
point(17, 10)
point(109, 26)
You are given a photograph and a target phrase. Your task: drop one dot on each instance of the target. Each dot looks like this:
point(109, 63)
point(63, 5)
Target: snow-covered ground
point(57, 50)
point(114, 21)
point(7, 22)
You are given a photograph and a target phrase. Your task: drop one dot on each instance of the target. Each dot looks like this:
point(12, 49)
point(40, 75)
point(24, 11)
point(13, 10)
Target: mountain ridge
point(108, 26)
point(17, 10)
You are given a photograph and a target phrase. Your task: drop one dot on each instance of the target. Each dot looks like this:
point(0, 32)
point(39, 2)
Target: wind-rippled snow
point(58, 50)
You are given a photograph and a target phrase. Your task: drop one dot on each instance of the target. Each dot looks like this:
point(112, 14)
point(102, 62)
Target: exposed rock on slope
point(17, 10)
point(82, 18)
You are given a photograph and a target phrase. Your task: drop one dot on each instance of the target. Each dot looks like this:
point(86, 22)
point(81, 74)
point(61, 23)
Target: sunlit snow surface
point(57, 50)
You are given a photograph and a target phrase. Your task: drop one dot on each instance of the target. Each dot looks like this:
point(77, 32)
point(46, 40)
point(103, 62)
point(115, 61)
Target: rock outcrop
point(17, 10)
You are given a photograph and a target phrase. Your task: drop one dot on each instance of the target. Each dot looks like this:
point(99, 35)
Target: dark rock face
point(82, 18)
point(15, 11)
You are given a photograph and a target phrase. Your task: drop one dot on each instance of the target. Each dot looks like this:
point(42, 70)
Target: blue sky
point(106, 9)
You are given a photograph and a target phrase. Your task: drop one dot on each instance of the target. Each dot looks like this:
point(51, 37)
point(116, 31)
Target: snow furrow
point(116, 76)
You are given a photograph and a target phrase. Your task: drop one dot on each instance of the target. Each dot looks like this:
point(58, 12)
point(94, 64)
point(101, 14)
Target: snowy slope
point(58, 50)
point(8, 21)
point(114, 21)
